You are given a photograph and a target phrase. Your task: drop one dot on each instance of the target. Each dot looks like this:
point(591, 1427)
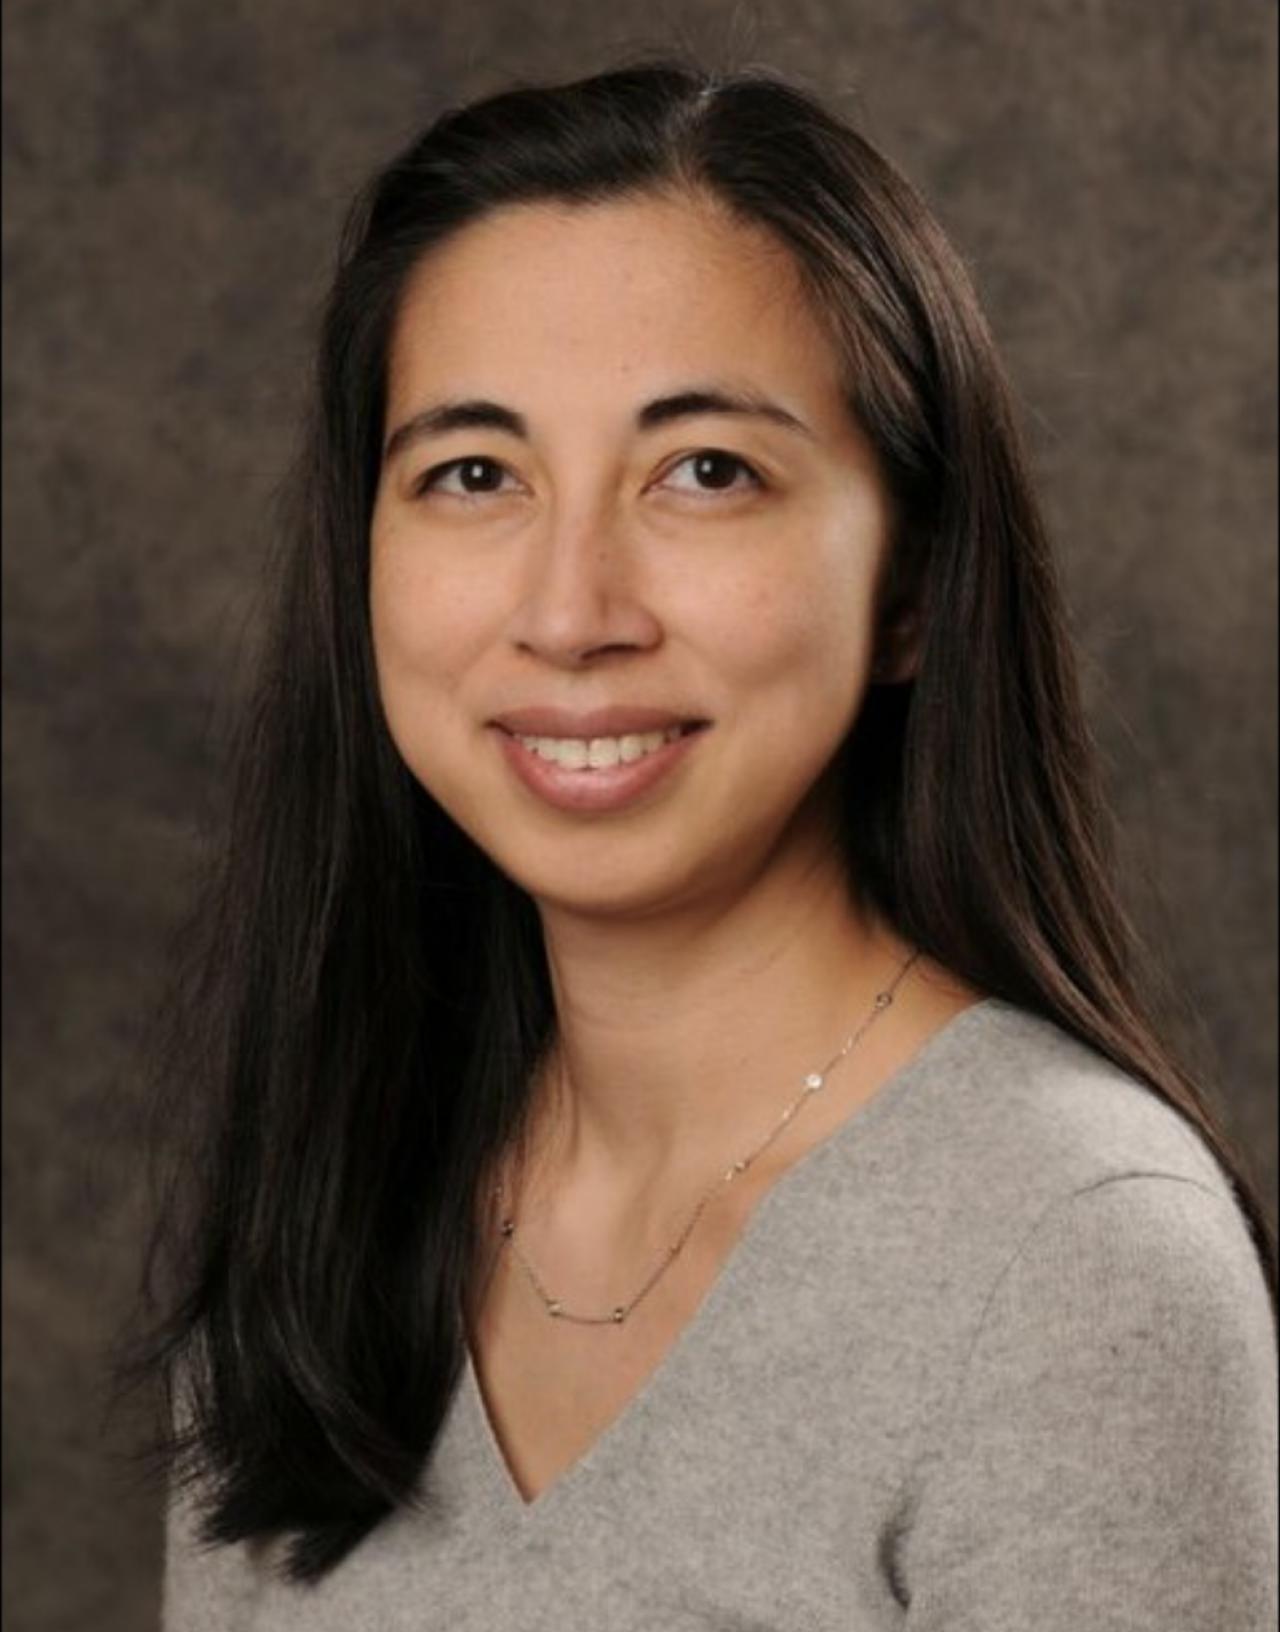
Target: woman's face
point(625, 552)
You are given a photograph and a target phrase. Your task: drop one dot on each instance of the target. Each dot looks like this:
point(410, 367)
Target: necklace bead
point(622, 1312)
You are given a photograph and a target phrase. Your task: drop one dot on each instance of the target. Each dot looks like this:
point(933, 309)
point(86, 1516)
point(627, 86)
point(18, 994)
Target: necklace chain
point(813, 1084)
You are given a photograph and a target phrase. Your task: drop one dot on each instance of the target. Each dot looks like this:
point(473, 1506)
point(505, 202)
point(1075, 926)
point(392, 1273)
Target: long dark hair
point(364, 998)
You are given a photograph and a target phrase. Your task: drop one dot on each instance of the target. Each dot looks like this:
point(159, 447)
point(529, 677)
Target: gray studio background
point(174, 177)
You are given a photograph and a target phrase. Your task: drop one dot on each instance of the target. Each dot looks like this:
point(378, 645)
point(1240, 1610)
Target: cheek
point(427, 630)
point(802, 638)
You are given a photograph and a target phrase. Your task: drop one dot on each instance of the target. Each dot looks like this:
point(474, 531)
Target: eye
point(712, 471)
point(465, 479)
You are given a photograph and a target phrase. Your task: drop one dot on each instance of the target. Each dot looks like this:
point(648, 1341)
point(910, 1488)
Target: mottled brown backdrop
point(174, 175)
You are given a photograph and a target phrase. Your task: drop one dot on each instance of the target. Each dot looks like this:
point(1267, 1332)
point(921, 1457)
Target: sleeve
point(206, 1589)
point(1108, 1463)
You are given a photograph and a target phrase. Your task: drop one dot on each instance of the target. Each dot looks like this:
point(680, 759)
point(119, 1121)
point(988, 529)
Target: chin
point(601, 884)
point(607, 889)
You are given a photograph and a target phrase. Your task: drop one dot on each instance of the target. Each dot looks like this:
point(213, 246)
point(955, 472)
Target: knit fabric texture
point(996, 1356)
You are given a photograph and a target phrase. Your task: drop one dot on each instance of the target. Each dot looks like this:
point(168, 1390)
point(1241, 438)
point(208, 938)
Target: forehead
point(630, 290)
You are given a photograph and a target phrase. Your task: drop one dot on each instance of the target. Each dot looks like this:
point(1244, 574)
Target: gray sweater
point(995, 1357)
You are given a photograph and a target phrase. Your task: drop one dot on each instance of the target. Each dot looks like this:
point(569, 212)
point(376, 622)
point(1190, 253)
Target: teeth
point(600, 753)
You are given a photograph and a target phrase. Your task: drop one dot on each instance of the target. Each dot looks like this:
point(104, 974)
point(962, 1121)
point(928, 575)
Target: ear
point(897, 652)
point(900, 610)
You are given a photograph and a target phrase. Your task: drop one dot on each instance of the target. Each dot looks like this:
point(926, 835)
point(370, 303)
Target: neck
point(679, 1035)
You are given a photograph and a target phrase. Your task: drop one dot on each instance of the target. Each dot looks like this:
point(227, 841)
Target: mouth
point(595, 763)
point(603, 753)
point(598, 739)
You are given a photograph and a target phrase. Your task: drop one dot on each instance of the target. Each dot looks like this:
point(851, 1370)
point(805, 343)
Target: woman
point(688, 1148)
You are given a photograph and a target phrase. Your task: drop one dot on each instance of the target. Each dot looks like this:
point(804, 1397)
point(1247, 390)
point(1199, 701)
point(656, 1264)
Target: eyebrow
point(695, 403)
point(714, 400)
point(454, 416)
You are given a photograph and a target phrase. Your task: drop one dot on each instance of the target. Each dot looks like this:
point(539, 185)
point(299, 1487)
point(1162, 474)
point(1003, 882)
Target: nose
point(582, 596)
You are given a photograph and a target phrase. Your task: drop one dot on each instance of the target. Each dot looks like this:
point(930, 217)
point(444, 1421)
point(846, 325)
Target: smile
point(600, 773)
point(599, 753)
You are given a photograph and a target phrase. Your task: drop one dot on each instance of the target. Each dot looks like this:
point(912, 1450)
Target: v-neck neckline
point(502, 1488)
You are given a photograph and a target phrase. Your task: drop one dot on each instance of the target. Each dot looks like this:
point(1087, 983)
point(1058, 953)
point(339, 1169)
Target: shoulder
point(206, 1588)
point(1076, 1213)
point(1105, 1450)
point(1012, 1104)
point(1101, 1380)
point(1161, 1264)
point(1003, 1135)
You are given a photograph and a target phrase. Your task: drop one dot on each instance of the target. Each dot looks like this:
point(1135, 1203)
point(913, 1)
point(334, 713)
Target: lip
point(602, 791)
point(596, 722)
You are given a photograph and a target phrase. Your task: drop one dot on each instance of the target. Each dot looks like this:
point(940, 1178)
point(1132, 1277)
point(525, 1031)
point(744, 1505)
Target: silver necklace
point(813, 1084)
